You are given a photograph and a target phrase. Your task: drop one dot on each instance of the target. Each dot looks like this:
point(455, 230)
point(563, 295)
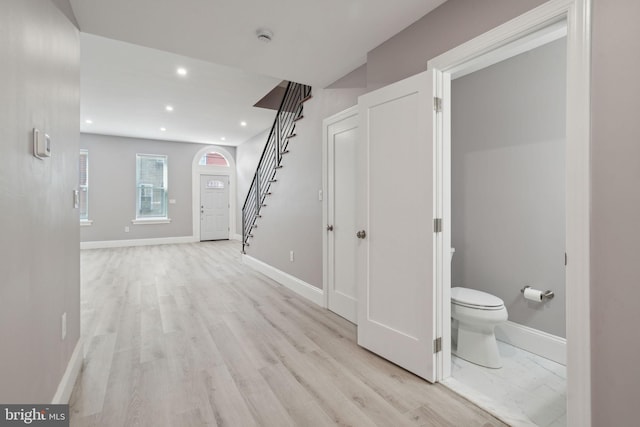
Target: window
point(83, 185)
point(151, 186)
point(213, 159)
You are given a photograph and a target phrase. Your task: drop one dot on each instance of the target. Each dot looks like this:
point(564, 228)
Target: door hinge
point(437, 345)
point(437, 225)
point(437, 104)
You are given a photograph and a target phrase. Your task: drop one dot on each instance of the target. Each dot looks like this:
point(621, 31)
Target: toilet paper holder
point(546, 295)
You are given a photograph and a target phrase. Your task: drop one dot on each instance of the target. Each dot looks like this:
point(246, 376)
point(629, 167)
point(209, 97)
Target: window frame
point(164, 216)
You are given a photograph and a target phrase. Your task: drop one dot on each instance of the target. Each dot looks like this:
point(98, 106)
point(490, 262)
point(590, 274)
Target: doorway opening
point(508, 228)
point(524, 33)
point(217, 161)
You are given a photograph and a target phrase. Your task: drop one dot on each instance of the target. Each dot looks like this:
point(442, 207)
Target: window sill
point(151, 221)
point(86, 222)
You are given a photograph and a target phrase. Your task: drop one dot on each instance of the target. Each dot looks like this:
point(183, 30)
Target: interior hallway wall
point(40, 262)
point(508, 183)
point(615, 221)
point(112, 187)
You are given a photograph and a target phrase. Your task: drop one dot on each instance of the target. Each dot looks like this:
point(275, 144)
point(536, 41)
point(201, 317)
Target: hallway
point(186, 335)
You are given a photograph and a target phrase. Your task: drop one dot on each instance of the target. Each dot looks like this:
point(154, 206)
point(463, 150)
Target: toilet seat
point(478, 300)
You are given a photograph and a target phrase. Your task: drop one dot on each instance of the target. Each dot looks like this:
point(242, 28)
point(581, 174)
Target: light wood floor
point(186, 335)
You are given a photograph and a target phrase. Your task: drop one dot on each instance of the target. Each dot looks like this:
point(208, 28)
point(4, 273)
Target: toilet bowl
point(475, 314)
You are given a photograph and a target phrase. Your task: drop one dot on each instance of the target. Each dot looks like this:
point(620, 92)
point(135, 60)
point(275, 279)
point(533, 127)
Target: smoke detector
point(264, 35)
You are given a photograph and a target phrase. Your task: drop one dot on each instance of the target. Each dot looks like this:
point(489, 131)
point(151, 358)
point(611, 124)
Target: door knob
point(329, 227)
point(361, 234)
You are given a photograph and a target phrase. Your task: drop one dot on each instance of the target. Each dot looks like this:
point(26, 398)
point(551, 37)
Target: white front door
point(396, 310)
point(214, 207)
point(342, 160)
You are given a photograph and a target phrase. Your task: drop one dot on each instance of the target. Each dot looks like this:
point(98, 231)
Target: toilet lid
point(472, 298)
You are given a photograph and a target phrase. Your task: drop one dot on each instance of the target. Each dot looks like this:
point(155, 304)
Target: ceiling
point(125, 87)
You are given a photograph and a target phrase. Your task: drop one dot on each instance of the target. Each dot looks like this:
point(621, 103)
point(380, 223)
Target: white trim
point(197, 170)
point(65, 387)
point(236, 236)
point(577, 14)
point(345, 114)
point(86, 222)
point(534, 341)
point(150, 221)
point(137, 242)
point(298, 286)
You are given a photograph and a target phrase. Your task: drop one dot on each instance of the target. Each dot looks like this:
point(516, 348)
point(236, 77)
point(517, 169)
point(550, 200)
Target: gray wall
point(615, 222)
point(508, 184)
point(293, 218)
point(453, 23)
point(40, 260)
point(112, 192)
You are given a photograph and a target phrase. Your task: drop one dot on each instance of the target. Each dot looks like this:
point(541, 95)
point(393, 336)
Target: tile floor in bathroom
point(527, 391)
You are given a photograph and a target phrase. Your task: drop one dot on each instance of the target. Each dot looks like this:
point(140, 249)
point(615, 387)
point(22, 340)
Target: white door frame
point(345, 114)
point(196, 171)
point(482, 51)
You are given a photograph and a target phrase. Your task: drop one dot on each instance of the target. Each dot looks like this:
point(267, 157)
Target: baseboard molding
point(298, 286)
point(137, 242)
point(534, 341)
point(237, 237)
point(63, 393)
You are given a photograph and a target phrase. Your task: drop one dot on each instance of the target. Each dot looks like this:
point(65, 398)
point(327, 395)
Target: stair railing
point(282, 131)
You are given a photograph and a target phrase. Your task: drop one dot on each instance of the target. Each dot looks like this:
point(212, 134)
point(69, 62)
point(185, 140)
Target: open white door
point(396, 307)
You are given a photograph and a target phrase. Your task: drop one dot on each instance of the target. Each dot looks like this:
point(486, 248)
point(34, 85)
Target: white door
point(396, 310)
point(214, 207)
point(342, 160)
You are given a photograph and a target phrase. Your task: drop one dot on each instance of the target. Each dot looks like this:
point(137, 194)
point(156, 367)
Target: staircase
point(282, 131)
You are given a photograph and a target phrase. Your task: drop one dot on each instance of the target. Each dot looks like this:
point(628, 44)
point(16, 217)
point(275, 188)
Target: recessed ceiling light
point(181, 71)
point(222, 138)
point(169, 108)
point(243, 123)
point(163, 129)
point(88, 121)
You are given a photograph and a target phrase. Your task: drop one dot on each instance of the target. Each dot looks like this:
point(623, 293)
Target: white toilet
point(475, 315)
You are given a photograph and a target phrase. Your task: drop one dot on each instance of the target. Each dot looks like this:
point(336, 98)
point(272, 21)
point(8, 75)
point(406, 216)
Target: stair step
point(249, 235)
point(300, 117)
point(272, 180)
point(305, 99)
point(264, 205)
point(246, 244)
point(278, 167)
point(293, 135)
point(284, 152)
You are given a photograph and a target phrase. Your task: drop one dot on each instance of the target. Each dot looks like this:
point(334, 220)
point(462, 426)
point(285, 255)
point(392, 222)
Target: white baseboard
point(137, 242)
point(298, 286)
point(534, 341)
point(235, 236)
point(63, 393)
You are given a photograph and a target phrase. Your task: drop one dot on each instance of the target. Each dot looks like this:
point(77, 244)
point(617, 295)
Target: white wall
point(508, 186)
point(39, 243)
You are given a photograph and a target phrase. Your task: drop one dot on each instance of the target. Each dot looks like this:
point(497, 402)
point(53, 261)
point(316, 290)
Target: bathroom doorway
point(520, 35)
point(508, 127)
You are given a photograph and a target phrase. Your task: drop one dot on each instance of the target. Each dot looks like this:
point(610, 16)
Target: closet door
point(396, 307)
